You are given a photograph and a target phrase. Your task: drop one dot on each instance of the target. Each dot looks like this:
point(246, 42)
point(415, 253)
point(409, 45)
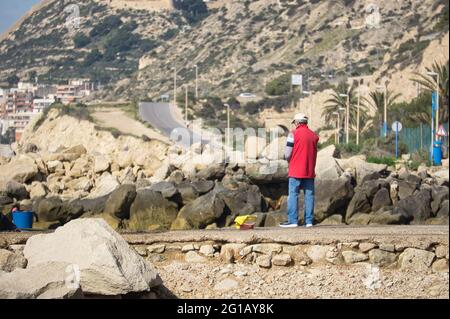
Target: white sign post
point(396, 127)
point(297, 79)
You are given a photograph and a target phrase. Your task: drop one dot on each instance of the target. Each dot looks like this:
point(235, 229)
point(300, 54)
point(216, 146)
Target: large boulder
point(150, 209)
point(417, 207)
point(50, 209)
point(244, 200)
point(381, 199)
point(120, 200)
point(77, 150)
point(203, 186)
point(187, 192)
point(167, 189)
point(101, 163)
point(20, 169)
point(16, 190)
point(93, 205)
point(416, 259)
point(406, 188)
point(80, 167)
point(214, 171)
point(332, 197)
point(360, 204)
point(107, 265)
point(267, 171)
point(326, 166)
point(273, 219)
point(201, 212)
point(441, 176)
point(38, 189)
point(53, 209)
point(361, 168)
point(44, 281)
point(104, 185)
point(365, 193)
point(438, 194)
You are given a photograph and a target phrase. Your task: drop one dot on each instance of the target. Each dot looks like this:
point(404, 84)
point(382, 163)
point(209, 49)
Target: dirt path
point(218, 280)
point(118, 119)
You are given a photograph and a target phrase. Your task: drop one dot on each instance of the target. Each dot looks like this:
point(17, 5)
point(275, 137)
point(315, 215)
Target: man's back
point(304, 153)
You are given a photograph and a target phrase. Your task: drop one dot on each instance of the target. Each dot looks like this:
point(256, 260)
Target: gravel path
point(215, 280)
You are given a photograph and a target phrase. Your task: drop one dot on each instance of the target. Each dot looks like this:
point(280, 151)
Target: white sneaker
point(288, 225)
point(308, 225)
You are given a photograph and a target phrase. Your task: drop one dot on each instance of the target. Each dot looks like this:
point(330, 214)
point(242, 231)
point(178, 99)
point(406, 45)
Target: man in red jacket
point(301, 153)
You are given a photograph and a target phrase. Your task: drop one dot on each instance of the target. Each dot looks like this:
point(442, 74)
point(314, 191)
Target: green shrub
point(390, 161)
point(81, 40)
point(350, 148)
point(105, 26)
point(279, 86)
point(92, 57)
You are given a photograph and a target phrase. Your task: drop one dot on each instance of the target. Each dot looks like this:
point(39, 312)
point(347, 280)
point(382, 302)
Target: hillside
point(238, 46)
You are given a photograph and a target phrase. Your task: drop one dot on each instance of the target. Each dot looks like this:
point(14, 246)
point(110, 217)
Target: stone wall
point(418, 248)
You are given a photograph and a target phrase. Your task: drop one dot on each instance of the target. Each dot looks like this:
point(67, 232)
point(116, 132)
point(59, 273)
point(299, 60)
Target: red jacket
point(304, 153)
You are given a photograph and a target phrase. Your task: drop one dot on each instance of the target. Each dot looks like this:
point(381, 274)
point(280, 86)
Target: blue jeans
point(295, 184)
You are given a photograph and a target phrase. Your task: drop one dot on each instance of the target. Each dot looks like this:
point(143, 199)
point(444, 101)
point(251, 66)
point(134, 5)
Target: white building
point(42, 103)
point(26, 86)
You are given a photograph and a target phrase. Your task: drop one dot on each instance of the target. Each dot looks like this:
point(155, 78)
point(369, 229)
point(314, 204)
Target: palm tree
point(429, 83)
point(375, 101)
point(336, 102)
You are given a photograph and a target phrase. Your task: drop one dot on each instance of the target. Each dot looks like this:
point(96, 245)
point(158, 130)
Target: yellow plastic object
point(240, 220)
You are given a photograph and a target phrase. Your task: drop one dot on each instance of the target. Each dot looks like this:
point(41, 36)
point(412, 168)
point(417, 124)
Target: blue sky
point(12, 10)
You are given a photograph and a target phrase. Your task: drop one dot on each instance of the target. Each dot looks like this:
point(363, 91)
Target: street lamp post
point(196, 81)
point(186, 102)
point(358, 112)
point(434, 74)
point(385, 110)
point(338, 125)
point(175, 86)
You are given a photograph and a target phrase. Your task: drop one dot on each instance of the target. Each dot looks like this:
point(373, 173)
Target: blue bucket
point(23, 220)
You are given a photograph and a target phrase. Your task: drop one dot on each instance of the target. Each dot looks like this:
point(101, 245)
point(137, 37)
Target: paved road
point(166, 118)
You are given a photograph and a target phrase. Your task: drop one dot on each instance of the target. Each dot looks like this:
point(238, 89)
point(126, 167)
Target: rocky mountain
point(238, 46)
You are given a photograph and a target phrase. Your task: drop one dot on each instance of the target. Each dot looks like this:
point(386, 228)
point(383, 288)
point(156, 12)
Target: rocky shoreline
point(143, 184)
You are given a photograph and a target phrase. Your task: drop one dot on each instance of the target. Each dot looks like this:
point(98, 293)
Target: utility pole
point(385, 110)
point(186, 102)
point(309, 93)
point(175, 86)
point(434, 74)
point(357, 112)
point(196, 82)
point(347, 118)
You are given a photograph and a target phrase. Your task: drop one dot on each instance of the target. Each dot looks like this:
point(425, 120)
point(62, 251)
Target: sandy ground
point(215, 280)
point(119, 120)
